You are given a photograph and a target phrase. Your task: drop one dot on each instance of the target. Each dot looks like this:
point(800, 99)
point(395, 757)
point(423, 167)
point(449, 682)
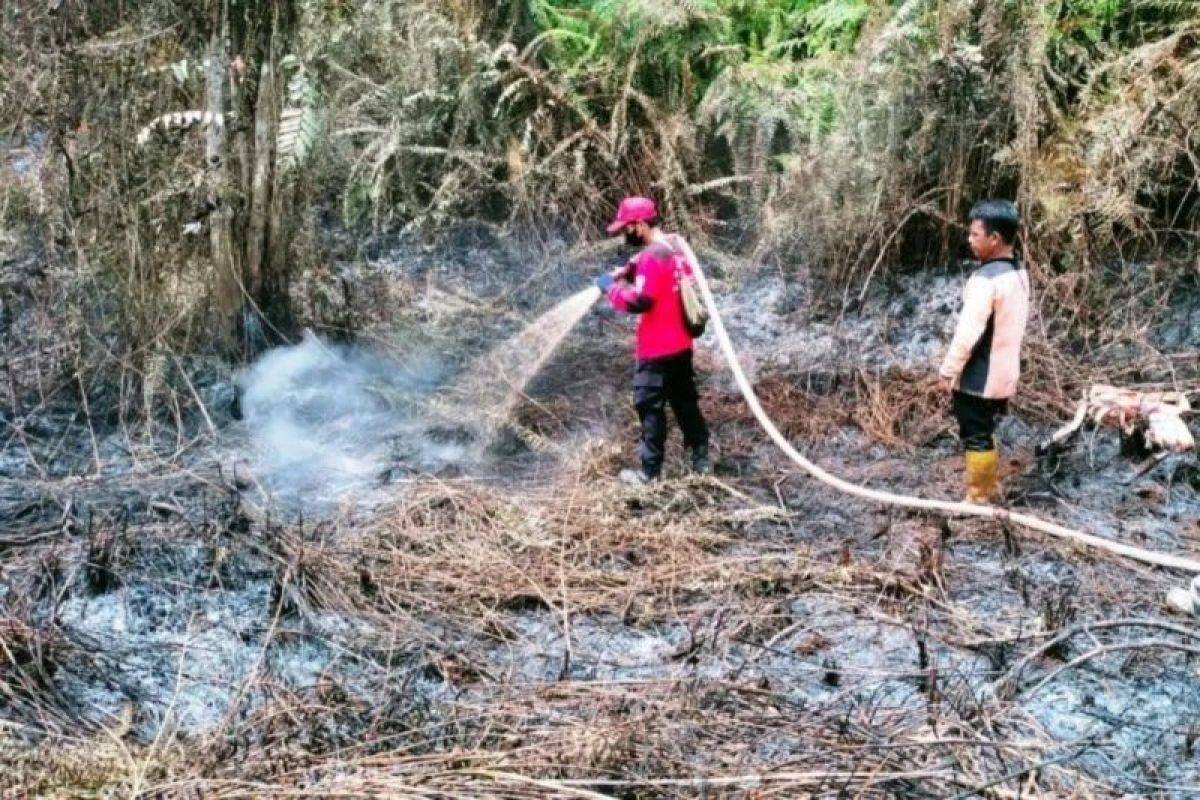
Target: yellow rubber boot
point(983, 475)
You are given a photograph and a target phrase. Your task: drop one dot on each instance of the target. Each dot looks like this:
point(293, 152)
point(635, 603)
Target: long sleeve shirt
point(984, 358)
point(654, 294)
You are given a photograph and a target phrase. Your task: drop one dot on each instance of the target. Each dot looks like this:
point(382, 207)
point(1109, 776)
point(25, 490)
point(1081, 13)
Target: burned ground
point(517, 625)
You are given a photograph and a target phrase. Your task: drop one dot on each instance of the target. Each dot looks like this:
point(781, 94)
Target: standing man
point(649, 285)
point(984, 361)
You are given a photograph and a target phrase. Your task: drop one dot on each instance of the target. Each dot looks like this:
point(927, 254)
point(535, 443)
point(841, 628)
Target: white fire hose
point(906, 501)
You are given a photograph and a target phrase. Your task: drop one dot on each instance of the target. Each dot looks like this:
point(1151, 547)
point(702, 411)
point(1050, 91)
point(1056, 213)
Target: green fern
point(300, 122)
point(835, 25)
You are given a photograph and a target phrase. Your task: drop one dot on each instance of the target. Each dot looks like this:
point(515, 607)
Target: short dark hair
point(998, 216)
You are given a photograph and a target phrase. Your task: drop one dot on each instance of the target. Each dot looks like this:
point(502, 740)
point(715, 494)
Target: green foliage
point(845, 127)
point(697, 38)
point(834, 27)
point(600, 91)
point(1119, 23)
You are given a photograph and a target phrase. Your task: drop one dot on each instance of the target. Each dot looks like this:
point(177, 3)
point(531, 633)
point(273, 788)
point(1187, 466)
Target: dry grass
point(448, 576)
point(441, 585)
point(899, 410)
point(463, 553)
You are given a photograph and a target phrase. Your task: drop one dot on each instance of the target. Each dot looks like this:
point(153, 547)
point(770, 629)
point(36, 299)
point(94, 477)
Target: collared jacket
point(985, 355)
point(654, 294)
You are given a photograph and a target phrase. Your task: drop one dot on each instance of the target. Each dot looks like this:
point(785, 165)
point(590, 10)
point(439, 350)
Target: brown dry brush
point(881, 152)
point(1092, 141)
point(38, 657)
point(459, 553)
point(128, 272)
point(107, 293)
point(621, 740)
point(897, 409)
point(437, 583)
point(436, 111)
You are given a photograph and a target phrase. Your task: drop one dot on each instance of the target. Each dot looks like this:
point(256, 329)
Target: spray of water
point(494, 383)
point(324, 420)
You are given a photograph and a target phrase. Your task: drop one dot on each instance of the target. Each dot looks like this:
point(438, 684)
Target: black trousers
point(657, 382)
point(977, 418)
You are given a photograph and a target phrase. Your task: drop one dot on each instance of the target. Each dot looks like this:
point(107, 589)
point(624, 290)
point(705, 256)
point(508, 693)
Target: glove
point(604, 283)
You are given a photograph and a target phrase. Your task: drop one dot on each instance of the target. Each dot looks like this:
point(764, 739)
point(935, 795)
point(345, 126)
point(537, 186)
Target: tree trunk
point(227, 279)
point(261, 230)
point(276, 267)
point(268, 191)
point(248, 235)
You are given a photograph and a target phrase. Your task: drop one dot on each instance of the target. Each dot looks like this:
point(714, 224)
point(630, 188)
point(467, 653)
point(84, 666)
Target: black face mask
point(634, 239)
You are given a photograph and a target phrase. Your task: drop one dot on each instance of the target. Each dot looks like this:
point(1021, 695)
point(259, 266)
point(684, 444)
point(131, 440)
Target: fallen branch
point(1113, 648)
point(1021, 773)
point(799, 778)
point(1014, 674)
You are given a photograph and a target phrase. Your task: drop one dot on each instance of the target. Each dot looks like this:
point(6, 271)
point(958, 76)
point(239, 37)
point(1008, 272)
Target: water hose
point(907, 501)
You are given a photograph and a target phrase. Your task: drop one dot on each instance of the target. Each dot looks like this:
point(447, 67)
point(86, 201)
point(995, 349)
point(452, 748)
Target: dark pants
point(977, 417)
point(657, 382)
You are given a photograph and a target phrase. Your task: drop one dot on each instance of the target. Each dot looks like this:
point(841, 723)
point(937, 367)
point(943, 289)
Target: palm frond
point(300, 121)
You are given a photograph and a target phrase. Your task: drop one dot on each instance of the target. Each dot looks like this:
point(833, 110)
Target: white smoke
point(325, 419)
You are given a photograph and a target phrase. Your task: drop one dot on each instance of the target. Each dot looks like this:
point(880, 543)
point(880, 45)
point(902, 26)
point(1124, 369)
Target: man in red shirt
point(649, 286)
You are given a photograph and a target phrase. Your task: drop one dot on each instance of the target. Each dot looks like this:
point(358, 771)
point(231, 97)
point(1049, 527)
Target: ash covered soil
point(340, 587)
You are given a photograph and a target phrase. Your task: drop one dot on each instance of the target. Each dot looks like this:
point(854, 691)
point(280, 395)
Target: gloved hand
point(604, 283)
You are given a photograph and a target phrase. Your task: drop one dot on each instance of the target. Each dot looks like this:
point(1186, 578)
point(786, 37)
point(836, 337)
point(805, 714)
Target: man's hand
point(945, 385)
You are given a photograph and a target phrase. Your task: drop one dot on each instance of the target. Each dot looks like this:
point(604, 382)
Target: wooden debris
point(914, 553)
point(1159, 416)
point(1186, 600)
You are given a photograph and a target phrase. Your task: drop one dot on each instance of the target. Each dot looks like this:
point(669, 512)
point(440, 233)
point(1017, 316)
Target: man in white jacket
point(983, 363)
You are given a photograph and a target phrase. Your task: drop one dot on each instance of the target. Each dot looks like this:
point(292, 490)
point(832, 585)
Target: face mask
point(634, 239)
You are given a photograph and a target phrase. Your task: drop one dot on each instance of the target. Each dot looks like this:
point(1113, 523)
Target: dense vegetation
point(181, 158)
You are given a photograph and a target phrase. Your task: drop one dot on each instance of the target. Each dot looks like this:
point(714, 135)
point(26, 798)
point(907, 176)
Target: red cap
point(633, 209)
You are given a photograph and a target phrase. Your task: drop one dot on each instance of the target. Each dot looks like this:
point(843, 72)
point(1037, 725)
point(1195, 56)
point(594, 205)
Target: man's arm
point(977, 309)
point(637, 297)
point(631, 297)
